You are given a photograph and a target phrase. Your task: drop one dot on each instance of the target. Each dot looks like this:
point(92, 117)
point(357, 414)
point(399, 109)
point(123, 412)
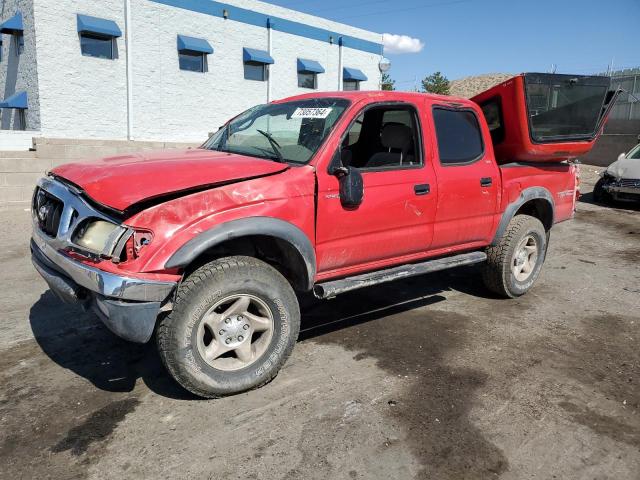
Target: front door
point(395, 219)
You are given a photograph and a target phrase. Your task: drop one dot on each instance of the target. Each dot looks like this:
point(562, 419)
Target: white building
point(165, 70)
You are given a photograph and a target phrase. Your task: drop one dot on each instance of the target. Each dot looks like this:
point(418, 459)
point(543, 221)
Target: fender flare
point(528, 194)
point(264, 226)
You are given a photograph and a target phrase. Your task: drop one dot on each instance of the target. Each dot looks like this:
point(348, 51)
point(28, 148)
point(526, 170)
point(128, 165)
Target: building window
point(19, 39)
point(15, 28)
point(308, 80)
point(308, 71)
point(255, 64)
point(351, 78)
point(255, 71)
point(97, 46)
point(98, 37)
point(192, 61)
point(192, 53)
point(20, 120)
point(351, 85)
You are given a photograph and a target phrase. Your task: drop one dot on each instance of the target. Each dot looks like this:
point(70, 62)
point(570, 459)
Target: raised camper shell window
point(98, 36)
point(564, 108)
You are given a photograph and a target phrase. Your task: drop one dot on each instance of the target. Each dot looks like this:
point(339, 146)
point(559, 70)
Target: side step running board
point(336, 287)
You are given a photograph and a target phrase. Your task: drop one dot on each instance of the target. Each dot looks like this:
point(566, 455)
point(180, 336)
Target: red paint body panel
point(517, 144)
point(391, 222)
point(122, 181)
point(392, 226)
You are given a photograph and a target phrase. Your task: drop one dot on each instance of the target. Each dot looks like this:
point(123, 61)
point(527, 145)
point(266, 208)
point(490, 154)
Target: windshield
point(634, 152)
point(289, 132)
point(562, 107)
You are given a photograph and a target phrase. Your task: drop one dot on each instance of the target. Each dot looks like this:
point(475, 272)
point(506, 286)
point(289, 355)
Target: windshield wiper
point(274, 144)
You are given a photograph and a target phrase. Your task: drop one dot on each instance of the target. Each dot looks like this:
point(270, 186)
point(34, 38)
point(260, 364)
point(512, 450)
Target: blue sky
point(469, 37)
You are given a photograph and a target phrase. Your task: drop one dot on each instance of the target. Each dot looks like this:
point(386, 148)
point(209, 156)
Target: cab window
point(384, 137)
point(459, 136)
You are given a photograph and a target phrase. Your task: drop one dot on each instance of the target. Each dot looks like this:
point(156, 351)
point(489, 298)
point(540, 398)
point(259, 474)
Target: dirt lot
point(426, 378)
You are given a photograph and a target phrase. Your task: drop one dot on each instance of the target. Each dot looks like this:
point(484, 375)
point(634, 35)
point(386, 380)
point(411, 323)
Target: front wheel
point(234, 324)
point(514, 264)
point(600, 195)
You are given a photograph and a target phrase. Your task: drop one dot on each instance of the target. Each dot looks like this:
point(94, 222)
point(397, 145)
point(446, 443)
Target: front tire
point(514, 264)
point(600, 195)
point(234, 324)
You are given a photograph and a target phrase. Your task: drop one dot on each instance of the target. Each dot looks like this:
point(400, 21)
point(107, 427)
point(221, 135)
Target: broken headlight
point(95, 234)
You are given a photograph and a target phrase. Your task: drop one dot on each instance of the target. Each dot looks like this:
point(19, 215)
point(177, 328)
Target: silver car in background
point(621, 180)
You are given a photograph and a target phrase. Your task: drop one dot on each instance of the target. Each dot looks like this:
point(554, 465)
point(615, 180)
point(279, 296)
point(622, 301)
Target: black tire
point(600, 195)
point(498, 275)
point(177, 334)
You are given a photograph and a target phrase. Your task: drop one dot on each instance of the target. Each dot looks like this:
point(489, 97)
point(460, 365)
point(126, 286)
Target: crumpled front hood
point(625, 168)
point(120, 182)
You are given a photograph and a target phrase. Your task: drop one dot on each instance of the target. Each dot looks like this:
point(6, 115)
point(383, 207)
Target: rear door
point(468, 178)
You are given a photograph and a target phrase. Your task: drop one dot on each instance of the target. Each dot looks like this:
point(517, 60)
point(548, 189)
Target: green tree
point(387, 82)
point(436, 83)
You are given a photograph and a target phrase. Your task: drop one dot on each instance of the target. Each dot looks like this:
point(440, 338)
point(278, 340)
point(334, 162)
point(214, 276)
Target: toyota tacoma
point(207, 248)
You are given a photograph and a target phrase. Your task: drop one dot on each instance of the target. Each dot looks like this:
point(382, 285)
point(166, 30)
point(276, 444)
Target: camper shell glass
point(564, 108)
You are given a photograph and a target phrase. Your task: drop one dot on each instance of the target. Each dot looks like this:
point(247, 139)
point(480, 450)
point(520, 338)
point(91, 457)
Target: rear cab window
point(458, 134)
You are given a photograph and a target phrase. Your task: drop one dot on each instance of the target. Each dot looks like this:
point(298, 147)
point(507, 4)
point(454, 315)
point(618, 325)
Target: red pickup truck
point(326, 192)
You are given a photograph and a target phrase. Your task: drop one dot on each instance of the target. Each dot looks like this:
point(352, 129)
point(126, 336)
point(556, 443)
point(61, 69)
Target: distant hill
point(470, 86)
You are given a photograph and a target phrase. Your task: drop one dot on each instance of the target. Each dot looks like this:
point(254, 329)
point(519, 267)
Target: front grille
point(47, 209)
point(629, 182)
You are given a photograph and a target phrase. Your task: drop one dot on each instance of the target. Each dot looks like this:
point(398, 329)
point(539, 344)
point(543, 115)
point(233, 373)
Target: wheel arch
point(275, 241)
point(535, 201)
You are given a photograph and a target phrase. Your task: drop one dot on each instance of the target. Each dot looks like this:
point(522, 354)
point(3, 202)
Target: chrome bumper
point(98, 281)
point(128, 307)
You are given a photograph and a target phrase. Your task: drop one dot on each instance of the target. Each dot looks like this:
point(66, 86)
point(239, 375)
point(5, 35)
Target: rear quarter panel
point(559, 179)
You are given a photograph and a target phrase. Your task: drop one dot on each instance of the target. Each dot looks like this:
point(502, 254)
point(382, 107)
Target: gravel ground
point(430, 377)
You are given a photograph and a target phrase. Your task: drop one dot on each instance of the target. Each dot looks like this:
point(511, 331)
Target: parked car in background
point(621, 180)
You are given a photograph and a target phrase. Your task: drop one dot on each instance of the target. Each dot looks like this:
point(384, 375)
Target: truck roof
point(380, 94)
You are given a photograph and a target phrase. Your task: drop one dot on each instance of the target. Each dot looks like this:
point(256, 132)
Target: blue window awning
point(257, 56)
point(13, 26)
point(309, 66)
point(354, 74)
point(191, 44)
point(17, 100)
point(98, 26)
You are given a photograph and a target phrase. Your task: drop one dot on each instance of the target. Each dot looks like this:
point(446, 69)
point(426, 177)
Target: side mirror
point(351, 186)
point(621, 156)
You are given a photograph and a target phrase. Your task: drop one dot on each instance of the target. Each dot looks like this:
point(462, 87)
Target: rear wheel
point(514, 264)
point(234, 324)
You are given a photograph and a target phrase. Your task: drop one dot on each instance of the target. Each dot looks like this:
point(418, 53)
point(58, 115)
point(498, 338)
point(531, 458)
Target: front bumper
point(622, 187)
point(127, 306)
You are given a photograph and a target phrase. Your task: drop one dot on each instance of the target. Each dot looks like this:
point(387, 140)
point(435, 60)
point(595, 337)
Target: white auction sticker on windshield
point(311, 113)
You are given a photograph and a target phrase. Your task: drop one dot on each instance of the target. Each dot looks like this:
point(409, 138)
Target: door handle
point(486, 182)
point(422, 189)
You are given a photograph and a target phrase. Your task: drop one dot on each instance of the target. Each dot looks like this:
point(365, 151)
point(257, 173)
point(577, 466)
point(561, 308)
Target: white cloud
point(397, 44)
